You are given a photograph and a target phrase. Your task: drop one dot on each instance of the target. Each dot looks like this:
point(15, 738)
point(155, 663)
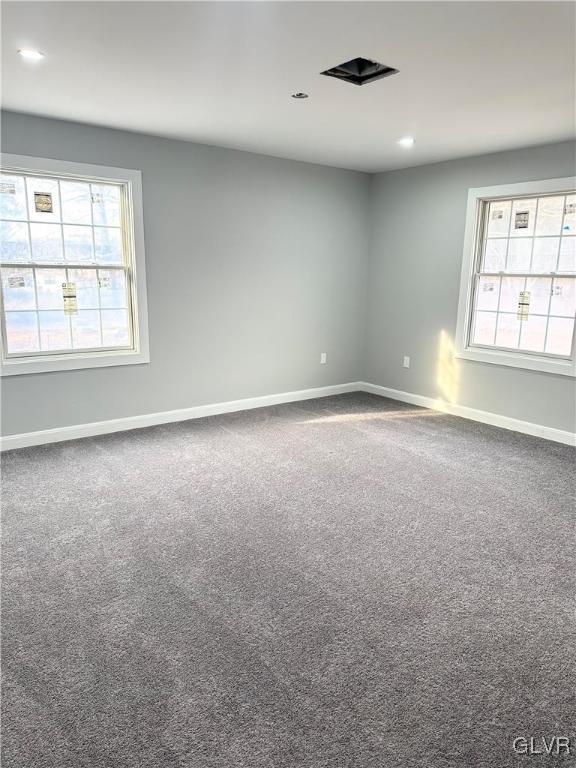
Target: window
point(71, 266)
point(518, 288)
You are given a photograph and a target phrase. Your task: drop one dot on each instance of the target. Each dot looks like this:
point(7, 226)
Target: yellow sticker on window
point(523, 305)
point(70, 300)
point(43, 202)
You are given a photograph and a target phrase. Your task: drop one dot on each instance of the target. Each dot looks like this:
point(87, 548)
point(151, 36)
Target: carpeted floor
point(348, 582)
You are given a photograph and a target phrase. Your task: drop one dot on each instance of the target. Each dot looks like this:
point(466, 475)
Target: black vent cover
point(360, 71)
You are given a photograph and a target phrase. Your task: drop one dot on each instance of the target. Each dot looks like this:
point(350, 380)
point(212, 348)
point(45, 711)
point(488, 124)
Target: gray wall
point(418, 218)
point(255, 265)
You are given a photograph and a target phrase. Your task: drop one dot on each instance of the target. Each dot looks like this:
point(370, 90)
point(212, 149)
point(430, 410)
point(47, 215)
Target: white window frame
point(66, 361)
point(472, 242)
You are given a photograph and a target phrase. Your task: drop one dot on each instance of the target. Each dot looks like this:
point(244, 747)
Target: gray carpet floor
point(347, 582)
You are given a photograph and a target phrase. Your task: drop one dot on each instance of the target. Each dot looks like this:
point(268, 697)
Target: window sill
point(71, 362)
point(519, 360)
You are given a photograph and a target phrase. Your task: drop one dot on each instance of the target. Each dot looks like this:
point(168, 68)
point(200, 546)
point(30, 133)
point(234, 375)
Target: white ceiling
point(475, 77)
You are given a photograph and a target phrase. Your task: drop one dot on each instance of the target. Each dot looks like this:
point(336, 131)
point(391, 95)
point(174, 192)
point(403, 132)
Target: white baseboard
point(486, 417)
point(27, 439)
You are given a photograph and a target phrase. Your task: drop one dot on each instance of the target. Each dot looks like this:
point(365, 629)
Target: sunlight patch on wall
point(448, 369)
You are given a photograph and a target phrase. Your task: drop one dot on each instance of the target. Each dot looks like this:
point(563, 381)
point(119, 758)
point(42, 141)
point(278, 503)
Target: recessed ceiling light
point(30, 54)
point(299, 95)
point(407, 142)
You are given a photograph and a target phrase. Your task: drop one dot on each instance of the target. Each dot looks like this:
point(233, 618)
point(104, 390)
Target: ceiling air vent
point(360, 71)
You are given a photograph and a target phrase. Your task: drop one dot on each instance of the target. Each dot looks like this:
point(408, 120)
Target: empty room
point(288, 403)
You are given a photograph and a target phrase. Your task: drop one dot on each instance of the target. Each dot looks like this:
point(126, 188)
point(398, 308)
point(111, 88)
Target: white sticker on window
point(570, 208)
point(97, 197)
point(488, 287)
point(70, 301)
point(105, 282)
point(6, 188)
point(497, 215)
point(523, 305)
point(43, 202)
point(557, 290)
point(16, 281)
point(521, 219)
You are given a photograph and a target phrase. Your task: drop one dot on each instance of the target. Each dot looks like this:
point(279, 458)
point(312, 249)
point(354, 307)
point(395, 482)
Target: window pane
point(563, 300)
point(86, 329)
point(533, 333)
point(14, 245)
point(115, 328)
point(12, 197)
point(112, 288)
point(108, 245)
point(519, 252)
point(22, 332)
point(569, 226)
point(18, 289)
point(76, 202)
point(106, 204)
point(507, 331)
point(567, 262)
point(78, 244)
point(47, 223)
point(523, 215)
point(541, 241)
point(54, 330)
point(499, 218)
point(49, 288)
point(495, 255)
point(545, 255)
point(549, 215)
point(46, 242)
point(510, 293)
point(86, 284)
point(488, 292)
point(484, 328)
point(559, 338)
point(43, 199)
point(539, 289)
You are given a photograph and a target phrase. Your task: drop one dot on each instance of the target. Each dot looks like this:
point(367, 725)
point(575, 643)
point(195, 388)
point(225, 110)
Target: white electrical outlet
point(406, 361)
point(322, 358)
